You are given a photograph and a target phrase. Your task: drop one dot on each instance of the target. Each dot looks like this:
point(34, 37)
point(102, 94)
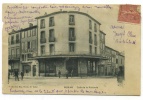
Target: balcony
point(24, 51)
point(43, 40)
point(72, 38)
point(63, 54)
point(12, 42)
point(71, 23)
point(17, 41)
point(52, 39)
point(31, 50)
point(13, 57)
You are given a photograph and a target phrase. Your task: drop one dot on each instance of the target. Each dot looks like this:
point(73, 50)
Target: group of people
point(16, 75)
point(67, 73)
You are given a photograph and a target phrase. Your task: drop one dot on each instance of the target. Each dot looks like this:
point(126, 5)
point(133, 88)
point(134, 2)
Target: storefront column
point(31, 70)
point(37, 69)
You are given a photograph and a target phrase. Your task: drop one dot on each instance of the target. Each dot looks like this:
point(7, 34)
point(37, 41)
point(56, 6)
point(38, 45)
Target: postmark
point(129, 13)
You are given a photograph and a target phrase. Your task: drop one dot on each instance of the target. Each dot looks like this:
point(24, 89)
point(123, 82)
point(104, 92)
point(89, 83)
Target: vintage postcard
point(71, 49)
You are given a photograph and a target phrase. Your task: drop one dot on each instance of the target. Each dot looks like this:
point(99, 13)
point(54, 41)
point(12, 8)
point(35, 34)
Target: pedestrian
point(120, 76)
point(16, 75)
point(59, 73)
point(22, 74)
point(67, 74)
point(71, 73)
point(8, 76)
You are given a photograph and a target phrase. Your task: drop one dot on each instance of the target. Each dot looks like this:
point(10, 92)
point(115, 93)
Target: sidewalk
point(63, 77)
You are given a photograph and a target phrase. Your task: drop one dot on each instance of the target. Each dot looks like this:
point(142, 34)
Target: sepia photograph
point(71, 49)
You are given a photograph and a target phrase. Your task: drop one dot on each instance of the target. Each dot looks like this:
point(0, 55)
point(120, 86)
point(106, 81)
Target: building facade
point(67, 41)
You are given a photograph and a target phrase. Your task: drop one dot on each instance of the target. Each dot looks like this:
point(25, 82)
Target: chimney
point(45, 13)
point(30, 24)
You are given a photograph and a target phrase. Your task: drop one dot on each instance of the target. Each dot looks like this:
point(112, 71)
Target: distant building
point(64, 40)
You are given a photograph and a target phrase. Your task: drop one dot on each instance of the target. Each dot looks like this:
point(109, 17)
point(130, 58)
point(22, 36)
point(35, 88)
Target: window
point(28, 45)
point(90, 24)
point(51, 48)
point(17, 52)
point(42, 34)
point(17, 38)
point(33, 46)
point(26, 33)
point(23, 57)
point(23, 45)
point(34, 32)
point(12, 39)
point(43, 49)
point(51, 33)
point(95, 39)
point(95, 50)
point(116, 61)
point(103, 45)
point(90, 37)
point(43, 39)
point(12, 51)
point(71, 20)
point(51, 21)
point(29, 33)
point(121, 61)
point(95, 28)
point(71, 32)
point(23, 34)
point(71, 47)
point(42, 23)
point(90, 49)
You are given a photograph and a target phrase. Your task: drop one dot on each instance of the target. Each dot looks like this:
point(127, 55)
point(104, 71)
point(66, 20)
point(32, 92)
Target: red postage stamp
point(129, 13)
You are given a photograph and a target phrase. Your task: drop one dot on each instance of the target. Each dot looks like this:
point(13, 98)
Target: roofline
point(112, 48)
point(58, 12)
point(13, 32)
point(102, 32)
point(115, 50)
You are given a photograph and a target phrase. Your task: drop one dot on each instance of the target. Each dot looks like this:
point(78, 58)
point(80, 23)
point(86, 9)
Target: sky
point(106, 14)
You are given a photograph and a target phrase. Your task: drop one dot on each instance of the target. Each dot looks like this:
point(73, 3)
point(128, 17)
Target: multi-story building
point(65, 41)
point(14, 50)
point(68, 41)
point(28, 49)
point(115, 60)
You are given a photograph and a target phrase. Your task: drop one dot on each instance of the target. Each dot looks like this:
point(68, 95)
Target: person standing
point(59, 73)
point(22, 74)
point(16, 75)
point(8, 76)
point(67, 74)
point(120, 76)
point(71, 73)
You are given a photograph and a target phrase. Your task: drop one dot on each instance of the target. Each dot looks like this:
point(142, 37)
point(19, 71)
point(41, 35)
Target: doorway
point(72, 64)
point(34, 70)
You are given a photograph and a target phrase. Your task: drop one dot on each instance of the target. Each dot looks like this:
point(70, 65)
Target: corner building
point(68, 41)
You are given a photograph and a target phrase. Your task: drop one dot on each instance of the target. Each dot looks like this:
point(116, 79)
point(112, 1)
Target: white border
point(69, 97)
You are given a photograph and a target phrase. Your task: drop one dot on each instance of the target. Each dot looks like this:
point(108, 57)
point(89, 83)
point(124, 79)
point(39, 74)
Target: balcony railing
point(72, 38)
point(43, 40)
point(15, 42)
point(62, 53)
point(71, 23)
point(14, 56)
point(29, 50)
point(52, 39)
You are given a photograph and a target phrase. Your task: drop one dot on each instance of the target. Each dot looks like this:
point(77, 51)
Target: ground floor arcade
point(78, 66)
